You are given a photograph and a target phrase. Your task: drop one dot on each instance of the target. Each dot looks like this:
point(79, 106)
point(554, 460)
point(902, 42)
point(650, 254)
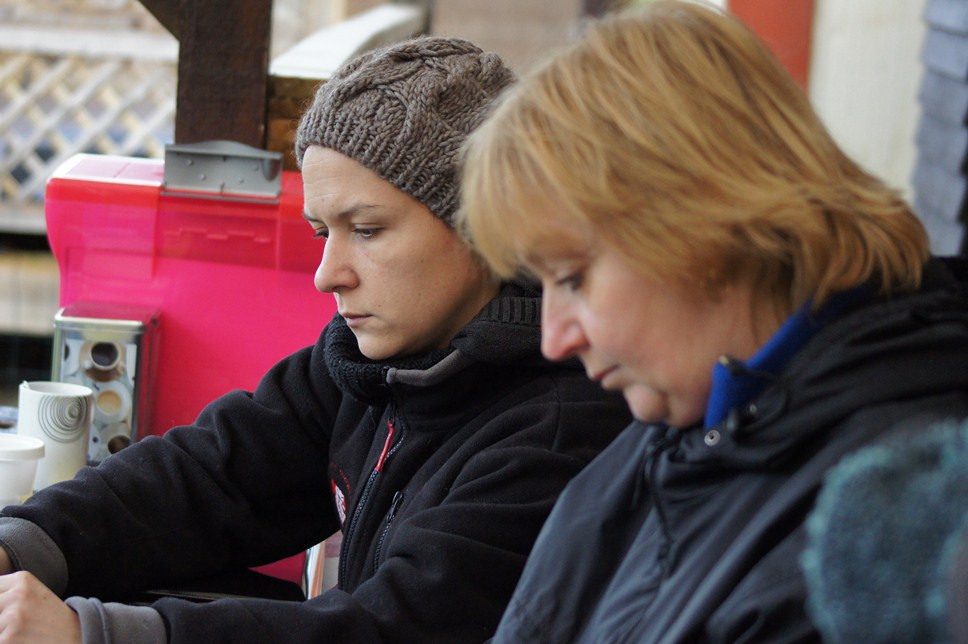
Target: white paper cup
point(60, 414)
point(18, 466)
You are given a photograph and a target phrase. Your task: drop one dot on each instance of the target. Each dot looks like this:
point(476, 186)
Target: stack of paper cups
point(18, 466)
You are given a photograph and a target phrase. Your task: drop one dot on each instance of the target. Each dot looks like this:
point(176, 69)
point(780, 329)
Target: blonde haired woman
point(764, 305)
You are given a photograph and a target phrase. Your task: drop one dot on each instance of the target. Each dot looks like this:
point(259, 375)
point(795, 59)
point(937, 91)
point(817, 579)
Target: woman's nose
point(561, 333)
point(335, 270)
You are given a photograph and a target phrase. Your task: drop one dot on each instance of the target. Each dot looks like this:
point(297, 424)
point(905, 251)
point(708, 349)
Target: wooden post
point(223, 71)
point(165, 12)
point(223, 67)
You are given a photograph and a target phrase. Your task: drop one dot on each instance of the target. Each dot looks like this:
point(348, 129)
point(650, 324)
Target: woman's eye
point(572, 281)
point(321, 233)
point(365, 233)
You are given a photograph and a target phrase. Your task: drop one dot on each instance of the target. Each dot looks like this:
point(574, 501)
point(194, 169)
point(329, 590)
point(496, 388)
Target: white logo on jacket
point(340, 500)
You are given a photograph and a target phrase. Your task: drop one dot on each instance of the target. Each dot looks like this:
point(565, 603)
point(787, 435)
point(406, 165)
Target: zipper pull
point(386, 447)
point(394, 504)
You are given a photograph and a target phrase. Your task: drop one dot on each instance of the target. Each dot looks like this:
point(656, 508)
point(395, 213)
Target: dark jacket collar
point(506, 331)
point(871, 354)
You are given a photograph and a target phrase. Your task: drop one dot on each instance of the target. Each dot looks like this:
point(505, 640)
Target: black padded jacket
point(694, 535)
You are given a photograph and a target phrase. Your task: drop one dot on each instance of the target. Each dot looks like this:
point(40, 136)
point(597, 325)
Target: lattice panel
point(100, 14)
point(54, 107)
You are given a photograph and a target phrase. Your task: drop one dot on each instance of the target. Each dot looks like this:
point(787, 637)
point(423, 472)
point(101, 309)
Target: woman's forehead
point(557, 241)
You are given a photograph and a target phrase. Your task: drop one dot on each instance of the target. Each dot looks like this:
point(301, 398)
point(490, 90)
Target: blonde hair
point(676, 137)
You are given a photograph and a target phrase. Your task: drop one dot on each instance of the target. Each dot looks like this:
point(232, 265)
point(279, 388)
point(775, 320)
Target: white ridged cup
point(60, 414)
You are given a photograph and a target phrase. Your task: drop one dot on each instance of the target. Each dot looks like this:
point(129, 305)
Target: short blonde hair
point(676, 136)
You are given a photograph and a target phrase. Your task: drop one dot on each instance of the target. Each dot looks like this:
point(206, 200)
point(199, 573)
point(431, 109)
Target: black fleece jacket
point(439, 470)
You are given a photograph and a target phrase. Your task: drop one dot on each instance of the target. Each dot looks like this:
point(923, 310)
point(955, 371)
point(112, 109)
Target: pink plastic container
point(231, 278)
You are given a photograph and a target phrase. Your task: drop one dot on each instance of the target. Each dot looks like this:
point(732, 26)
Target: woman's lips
point(354, 319)
point(600, 376)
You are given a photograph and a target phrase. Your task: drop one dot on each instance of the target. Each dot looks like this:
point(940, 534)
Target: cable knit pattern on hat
point(404, 111)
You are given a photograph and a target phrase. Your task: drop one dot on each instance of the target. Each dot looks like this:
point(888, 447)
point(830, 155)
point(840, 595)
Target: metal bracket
point(225, 168)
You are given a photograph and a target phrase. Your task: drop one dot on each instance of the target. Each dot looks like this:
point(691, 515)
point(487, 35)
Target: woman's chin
point(377, 355)
point(374, 349)
point(646, 409)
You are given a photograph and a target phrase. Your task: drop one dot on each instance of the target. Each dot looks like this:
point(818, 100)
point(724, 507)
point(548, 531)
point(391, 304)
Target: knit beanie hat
point(403, 111)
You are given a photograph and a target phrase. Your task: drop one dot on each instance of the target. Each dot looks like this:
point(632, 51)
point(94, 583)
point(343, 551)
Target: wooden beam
point(166, 12)
point(223, 71)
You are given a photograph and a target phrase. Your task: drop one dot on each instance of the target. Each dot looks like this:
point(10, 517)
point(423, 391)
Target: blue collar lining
point(732, 387)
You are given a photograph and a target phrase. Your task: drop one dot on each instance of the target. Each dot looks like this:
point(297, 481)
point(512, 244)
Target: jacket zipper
point(388, 449)
point(397, 499)
point(671, 437)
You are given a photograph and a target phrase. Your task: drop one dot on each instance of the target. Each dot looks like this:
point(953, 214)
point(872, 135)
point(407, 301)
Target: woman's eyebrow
point(547, 257)
point(342, 214)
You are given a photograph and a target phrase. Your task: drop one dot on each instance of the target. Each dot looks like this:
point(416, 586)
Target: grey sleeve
point(30, 549)
point(111, 623)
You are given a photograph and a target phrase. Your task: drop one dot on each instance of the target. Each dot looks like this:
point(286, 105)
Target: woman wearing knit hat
point(424, 424)
point(764, 304)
